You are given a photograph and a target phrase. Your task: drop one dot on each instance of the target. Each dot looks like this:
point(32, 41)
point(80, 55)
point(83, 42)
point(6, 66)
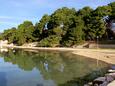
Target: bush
point(51, 41)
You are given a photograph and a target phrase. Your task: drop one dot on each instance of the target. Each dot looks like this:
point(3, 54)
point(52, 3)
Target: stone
point(99, 81)
point(105, 83)
point(111, 71)
point(109, 78)
point(88, 84)
point(111, 74)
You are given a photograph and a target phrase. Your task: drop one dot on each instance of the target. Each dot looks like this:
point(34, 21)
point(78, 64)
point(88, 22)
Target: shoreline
point(106, 55)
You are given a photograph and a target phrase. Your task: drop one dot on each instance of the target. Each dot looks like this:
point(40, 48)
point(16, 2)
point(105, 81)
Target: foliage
point(103, 11)
point(25, 32)
point(50, 41)
point(85, 11)
point(63, 16)
point(9, 35)
point(95, 27)
point(113, 10)
point(40, 26)
point(58, 31)
point(75, 34)
point(65, 26)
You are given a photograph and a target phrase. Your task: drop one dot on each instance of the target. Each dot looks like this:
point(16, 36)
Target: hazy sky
point(14, 12)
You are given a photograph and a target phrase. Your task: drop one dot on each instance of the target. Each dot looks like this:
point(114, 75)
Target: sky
point(14, 12)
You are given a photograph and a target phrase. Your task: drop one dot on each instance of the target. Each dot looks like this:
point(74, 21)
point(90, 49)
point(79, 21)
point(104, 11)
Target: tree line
point(65, 27)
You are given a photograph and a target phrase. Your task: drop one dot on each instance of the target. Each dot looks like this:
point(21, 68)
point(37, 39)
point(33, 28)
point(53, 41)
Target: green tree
point(95, 27)
point(95, 24)
point(25, 32)
point(58, 31)
point(9, 35)
point(86, 11)
point(62, 16)
point(113, 10)
point(102, 11)
point(69, 27)
point(74, 36)
point(50, 41)
point(85, 14)
point(40, 26)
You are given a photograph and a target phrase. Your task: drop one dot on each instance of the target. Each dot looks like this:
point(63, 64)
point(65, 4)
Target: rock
point(109, 78)
point(99, 81)
point(111, 71)
point(111, 74)
point(104, 83)
point(88, 84)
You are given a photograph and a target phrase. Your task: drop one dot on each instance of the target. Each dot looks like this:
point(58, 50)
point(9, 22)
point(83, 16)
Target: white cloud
point(8, 23)
point(5, 17)
point(16, 18)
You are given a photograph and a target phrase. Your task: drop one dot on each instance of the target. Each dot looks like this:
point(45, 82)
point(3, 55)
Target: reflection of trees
point(20, 58)
point(58, 66)
point(80, 81)
point(52, 59)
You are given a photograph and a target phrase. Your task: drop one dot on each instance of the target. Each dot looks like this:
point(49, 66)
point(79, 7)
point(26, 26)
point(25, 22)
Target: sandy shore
point(106, 55)
point(112, 83)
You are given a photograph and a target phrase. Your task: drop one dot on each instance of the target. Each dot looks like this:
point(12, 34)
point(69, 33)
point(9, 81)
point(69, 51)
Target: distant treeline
point(65, 27)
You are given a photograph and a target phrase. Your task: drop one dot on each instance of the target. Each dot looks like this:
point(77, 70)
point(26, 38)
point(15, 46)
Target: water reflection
point(3, 50)
point(3, 80)
point(53, 68)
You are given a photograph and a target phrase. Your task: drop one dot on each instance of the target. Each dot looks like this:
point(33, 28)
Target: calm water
point(23, 68)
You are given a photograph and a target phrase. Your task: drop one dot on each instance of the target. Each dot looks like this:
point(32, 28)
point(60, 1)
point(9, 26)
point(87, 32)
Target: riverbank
point(106, 55)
